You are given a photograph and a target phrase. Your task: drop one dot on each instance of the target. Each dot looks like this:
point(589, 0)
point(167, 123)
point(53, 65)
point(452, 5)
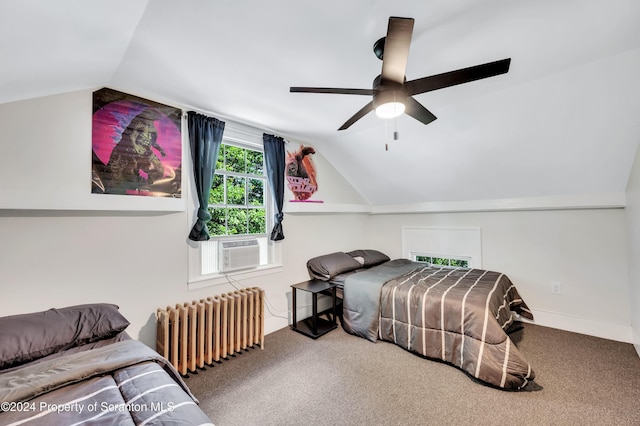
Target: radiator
point(192, 335)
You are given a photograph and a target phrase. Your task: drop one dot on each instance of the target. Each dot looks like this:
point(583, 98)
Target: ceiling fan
point(392, 94)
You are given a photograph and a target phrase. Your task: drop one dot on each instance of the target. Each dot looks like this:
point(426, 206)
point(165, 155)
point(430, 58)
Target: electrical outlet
point(556, 288)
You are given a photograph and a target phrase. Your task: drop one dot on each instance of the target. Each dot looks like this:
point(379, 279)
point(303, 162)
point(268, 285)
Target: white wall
point(633, 241)
point(584, 250)
point(70, 249)
point(137, 261)
point(43, 144)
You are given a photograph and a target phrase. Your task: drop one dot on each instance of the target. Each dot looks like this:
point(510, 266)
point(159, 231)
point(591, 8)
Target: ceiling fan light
point(390, 109)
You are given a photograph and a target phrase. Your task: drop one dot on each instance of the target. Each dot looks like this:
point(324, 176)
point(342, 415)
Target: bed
point(77, 365)
point(457, 315)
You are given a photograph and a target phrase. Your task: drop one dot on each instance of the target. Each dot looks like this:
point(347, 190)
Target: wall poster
point(300, 172)
point(137, 146)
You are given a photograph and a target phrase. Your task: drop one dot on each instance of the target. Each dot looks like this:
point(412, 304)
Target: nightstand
point(314, 326)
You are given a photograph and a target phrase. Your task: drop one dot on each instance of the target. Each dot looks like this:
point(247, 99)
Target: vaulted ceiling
point(565, 119)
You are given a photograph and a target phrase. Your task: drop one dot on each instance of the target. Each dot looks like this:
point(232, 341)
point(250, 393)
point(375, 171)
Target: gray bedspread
point(125, 383)
point(361, 301)
point(453, 314)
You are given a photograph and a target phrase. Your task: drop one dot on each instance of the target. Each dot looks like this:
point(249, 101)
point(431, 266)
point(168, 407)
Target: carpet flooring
point(340, 379)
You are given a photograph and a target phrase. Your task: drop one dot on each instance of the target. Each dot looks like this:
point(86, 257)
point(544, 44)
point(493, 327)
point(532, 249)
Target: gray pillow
point(329, 265)
point(369, 257)
point(27, 337)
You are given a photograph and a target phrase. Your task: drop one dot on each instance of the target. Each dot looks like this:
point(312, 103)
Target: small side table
point(313, 326)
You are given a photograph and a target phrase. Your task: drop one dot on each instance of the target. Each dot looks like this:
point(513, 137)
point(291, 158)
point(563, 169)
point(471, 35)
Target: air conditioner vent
point(238, 254)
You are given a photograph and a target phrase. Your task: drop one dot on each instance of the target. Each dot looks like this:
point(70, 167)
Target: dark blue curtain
point(205, 136)
point(274, 162)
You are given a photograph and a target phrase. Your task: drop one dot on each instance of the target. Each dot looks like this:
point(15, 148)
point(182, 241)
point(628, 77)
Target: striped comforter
point(456, 315)
point(124, 383)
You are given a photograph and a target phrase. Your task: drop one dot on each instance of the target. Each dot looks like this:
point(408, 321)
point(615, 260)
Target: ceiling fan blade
point(331, 90)
point(452, 78)
point(417, 111)
point(358, 115)
point(396, 49)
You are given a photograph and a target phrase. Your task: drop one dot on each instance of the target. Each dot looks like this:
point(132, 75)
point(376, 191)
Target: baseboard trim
point(582, 325)
point(575, 324)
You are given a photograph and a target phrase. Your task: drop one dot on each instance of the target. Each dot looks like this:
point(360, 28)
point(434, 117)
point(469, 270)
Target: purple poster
point(137, 146)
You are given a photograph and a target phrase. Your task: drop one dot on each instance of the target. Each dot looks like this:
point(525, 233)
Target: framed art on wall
point(137, 146)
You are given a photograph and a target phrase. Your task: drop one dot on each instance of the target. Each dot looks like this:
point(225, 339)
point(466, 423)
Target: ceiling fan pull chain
point(386, 135)
point(396, 135)
point(395, 121)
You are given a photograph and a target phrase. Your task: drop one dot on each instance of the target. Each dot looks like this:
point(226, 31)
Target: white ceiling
point(565, 120)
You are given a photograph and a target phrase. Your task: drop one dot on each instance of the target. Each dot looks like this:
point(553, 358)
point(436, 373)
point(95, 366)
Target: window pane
point(237, 221)
point(255, 162)
point(459, 263)
point(440, 261)
point(235, 190)
point(217, 224)
point(234, 159)
point(220, 160)
point(257, 221)
point(216, 195)
point(255, 192)
point(231, 196)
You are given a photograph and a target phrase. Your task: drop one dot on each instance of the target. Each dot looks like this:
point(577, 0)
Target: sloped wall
point(332, 188)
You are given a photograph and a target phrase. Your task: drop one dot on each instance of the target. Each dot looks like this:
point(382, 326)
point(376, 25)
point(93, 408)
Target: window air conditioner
point(239, 254)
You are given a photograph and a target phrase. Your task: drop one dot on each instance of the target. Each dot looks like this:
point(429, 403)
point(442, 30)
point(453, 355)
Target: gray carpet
point(341, 379)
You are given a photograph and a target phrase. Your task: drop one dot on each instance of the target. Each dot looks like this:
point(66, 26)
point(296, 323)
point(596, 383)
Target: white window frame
point(452, 242)
point(268, 205)
point(270, 252)
point(448, 257)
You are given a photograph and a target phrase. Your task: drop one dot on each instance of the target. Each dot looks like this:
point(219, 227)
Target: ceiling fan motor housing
point(387, 91)
point(378, 48)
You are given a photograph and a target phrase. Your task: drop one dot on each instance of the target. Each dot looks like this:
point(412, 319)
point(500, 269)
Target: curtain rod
point(231, 123)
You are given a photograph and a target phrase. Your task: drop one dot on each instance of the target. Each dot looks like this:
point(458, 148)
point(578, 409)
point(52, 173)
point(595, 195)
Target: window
point(439, 260)
point(241, 208)
point(237, 200)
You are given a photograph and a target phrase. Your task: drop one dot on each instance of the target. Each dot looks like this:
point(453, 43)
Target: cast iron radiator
point(199, 333)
